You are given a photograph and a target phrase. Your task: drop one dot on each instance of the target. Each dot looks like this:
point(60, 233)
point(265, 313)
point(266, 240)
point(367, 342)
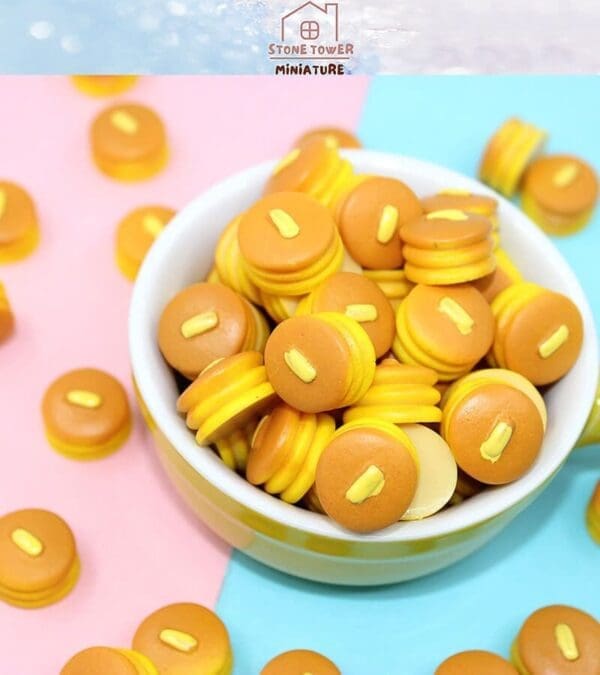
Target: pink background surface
point(139, 546)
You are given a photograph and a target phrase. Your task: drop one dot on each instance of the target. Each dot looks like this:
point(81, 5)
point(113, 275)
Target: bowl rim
point(472, 512)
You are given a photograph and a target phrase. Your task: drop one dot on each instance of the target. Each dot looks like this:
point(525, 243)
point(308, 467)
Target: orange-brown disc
point(562, 184)
point(361, 299)
point(445, 233)
point(454, 324)
point(559, 639)
point(346, 461)
point(300, 165)
point(184, 638)
point(463, 200)
point(475, 662)
point(478, 437)
point(533, 327)
point(270, 445)
point(285, 232)
point(17, 213)
point(493, 284)
point(300, 662)
point(31, 572)
point(127, 133)
point(222, 323)
point(370, 218)
point(324, 349)
point(85, 407)
point(342, 137)
point(99, 661)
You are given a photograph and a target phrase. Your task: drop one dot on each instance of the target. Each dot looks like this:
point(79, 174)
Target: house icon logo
point(311, 21)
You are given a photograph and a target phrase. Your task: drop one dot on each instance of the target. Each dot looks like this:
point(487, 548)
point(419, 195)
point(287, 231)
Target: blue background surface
point(545, 556)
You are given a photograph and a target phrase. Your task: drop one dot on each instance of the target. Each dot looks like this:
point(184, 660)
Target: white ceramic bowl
point(292, 539)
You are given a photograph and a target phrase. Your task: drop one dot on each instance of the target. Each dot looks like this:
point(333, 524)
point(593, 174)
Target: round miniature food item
point(129, 142)
point(109, 661)
point(300, 662)
point(558, 639)
point(207, 321)
point(227, 395)
point(234, 449)
point(7, 319)
point(475, 662)
point(185, 638)
point(447, 328)
point(103, 85)
point(19, 229)
point(493, 425)
point(320, 362)
point(289, 243)
point(39, 564)
point(314, 168)
point(448, 247)
point(136, 233)
point(370, 217)
point(286, 449)
point(400, 393)
point(437, 472)
point(508, 153)
point(341, 137)
point(593, 514)
point(359, 298)
point(539, 333)
point(86, 414)
point(367, 476)
point(560, 193)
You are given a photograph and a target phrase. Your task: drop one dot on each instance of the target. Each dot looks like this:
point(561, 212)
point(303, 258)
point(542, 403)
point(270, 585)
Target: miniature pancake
point(289, 243)
point(234, 449)
point(86, 414)
point(103, 85)
point(316, 169)
point(311, 501)
point(367, 476)
point(506, 274)
point(7, 319)
point(370, 217)
point(320, 362)
point(558, 639)
point(19, 228)
point(341, 137)
point(447, 328)
point(359, 298)
point(448, 247)
point(205, 322)
point(593, 514)
point(109, 661)
point(437, 472)
point(495, 430)
point(286, 450)
point(466, 487)
point(560, 193)
point(400, 394)
point(129, 142)
point(227, 395)
point(539, 333)
point(229, 264)
point(300, 662)
point(475, 662)
point(185, 639)
point(393, 283)
point(39, 564)
point(508, 153)
point(136, 233)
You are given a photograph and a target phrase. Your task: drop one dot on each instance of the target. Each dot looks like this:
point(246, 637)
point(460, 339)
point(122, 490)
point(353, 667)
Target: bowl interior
point(184, 255)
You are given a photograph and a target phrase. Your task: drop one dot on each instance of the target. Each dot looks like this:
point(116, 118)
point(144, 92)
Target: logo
point(310, 42)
